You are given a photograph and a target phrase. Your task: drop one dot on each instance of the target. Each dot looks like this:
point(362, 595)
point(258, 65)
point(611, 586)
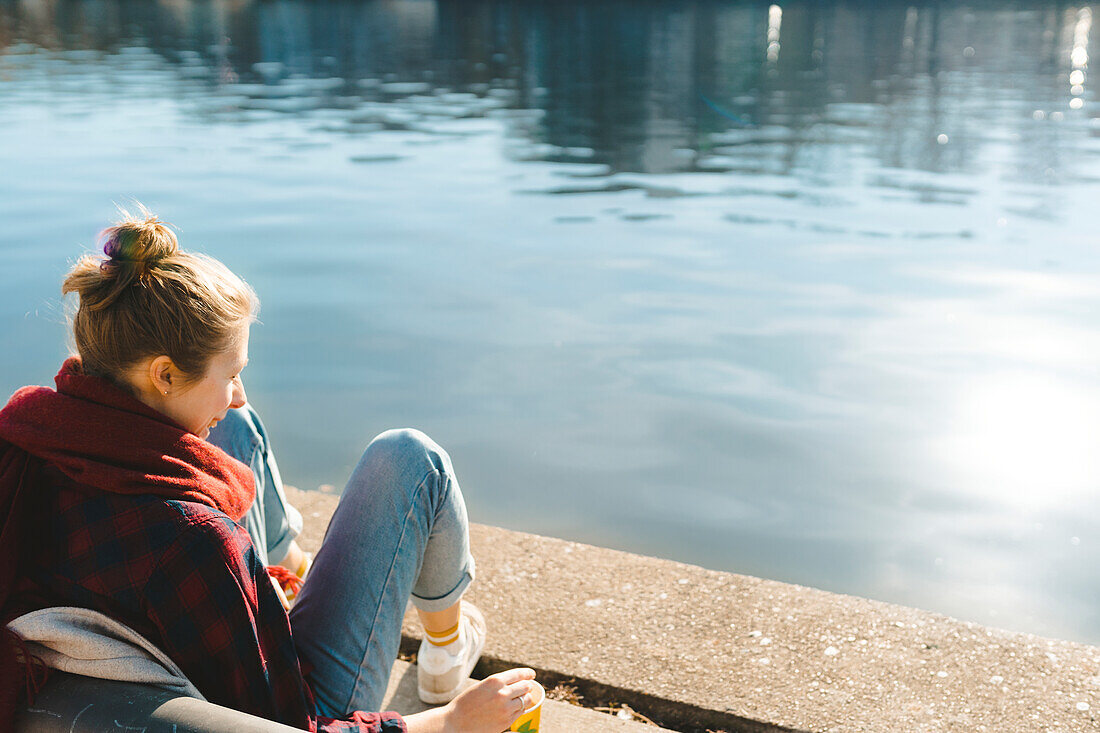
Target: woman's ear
point(163, 374)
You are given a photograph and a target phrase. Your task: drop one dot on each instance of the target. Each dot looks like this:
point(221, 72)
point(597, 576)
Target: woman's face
point(203, 402)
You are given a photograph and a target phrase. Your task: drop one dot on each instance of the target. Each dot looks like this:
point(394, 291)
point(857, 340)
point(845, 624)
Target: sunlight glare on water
point(1027, 440)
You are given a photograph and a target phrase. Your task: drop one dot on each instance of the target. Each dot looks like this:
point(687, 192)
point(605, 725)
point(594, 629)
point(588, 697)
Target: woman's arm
point(218, 618)
point(429, 721)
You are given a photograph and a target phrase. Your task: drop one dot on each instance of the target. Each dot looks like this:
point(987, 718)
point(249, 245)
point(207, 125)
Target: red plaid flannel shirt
point(186, 577)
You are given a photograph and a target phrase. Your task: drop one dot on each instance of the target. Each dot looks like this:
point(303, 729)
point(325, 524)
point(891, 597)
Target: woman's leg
point(271, 521)
point(400, 530)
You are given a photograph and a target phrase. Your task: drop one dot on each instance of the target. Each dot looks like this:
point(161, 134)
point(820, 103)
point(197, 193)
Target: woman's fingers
point(522, 687)
point(510, 676)
point(517, 686)
point(279, 592)
point(520, 696)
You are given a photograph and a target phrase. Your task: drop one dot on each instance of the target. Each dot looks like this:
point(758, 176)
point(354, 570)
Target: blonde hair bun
point(140, 239)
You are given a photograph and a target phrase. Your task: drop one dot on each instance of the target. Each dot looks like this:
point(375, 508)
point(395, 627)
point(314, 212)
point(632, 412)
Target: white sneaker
point(441, 670)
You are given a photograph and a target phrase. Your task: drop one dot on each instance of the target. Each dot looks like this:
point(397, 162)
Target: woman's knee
point(409, 463)
point(404, 446)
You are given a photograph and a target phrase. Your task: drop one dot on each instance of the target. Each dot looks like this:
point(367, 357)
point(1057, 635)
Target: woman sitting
point(144, 488)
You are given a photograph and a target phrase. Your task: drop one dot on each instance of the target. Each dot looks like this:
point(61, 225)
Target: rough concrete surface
point(697, 649)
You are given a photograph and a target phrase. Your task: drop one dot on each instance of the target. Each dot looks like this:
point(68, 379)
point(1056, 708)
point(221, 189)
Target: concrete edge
point(557, 717)
point(668, 714)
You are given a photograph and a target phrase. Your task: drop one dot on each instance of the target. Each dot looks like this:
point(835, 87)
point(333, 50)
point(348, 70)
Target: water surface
point(806, 291)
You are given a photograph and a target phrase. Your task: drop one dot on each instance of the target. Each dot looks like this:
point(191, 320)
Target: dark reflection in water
point(803, 290)
point(649, 87)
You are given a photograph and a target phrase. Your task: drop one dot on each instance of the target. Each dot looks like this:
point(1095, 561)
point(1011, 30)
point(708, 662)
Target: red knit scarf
point(103, 437)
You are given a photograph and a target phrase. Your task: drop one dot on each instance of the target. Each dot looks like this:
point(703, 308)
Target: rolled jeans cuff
point(431, 605)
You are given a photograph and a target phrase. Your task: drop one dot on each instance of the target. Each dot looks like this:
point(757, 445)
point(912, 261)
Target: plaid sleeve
point(360, 721)
point(219, 619)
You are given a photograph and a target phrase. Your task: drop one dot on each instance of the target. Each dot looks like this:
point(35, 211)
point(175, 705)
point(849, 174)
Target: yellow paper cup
point(529, 721)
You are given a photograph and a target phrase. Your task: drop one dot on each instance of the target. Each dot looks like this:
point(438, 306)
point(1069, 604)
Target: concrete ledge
point(695, 649)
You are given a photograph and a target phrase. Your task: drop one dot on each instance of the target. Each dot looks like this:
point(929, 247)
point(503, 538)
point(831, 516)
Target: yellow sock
point(304, 567)
point(443, 638)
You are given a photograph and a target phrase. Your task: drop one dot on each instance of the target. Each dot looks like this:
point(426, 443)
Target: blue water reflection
point(805, 290)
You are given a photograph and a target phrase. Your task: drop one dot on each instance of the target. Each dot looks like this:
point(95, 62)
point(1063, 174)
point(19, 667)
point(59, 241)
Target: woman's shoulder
point(189, 512)
point(205, 523)
point(126, 515)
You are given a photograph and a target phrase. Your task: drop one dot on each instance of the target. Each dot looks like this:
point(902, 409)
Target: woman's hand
point(282, 596)
point(493, 704)
point(489, 706)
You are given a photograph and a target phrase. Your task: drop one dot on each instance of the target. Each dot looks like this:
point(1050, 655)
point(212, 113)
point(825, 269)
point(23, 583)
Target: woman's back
point(95, 550)
point(181, 574)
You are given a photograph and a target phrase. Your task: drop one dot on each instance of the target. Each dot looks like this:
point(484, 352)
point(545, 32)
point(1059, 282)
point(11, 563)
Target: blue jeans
point(399, 533)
